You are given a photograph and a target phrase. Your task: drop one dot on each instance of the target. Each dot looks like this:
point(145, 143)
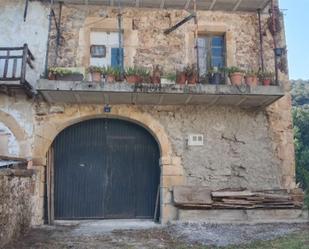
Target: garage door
point(105, 168)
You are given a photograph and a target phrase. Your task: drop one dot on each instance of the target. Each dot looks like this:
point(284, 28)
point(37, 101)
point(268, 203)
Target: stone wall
point(145, 43)
point(16, 189)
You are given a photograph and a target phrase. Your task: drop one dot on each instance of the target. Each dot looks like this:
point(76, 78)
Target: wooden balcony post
point(24, 64)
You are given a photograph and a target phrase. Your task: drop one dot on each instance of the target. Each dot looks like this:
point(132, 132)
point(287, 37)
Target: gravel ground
point(223, 235)
point(147, 235)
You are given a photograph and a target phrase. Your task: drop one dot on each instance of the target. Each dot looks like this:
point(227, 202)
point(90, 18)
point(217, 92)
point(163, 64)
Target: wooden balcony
point(14, 63)
point(80, 92)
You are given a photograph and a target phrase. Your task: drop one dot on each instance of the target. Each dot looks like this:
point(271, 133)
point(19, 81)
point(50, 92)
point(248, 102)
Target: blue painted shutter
point(117, 57)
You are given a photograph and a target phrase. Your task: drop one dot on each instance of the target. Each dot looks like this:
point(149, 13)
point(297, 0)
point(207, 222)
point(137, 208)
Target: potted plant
point(251, 78)
point(144, 75)
point(96, 73)
point(169, 79)
point(215, 76)
point(266, 78)
point(65, 74)
point(191, 74)
point(132, 75)
point(109, 74)
point(236, 75)
point(181, 77)
point(156, 75)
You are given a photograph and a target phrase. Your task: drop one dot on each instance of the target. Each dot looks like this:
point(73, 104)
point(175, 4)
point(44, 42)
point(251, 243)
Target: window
point(211, 52)
point(104, 50)
point(98, 51)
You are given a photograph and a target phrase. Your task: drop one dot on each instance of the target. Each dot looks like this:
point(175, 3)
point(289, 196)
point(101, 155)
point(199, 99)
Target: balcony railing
point(14, 62)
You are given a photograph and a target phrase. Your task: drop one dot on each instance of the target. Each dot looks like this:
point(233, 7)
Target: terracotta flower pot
point(266, 82)
point(133, 79)
point(252, 80)
point(96, 76)
point(181, 78)
point(110, 78)
point(236, 78)
point(51, 76)
point(192, 79)
point(156, 80)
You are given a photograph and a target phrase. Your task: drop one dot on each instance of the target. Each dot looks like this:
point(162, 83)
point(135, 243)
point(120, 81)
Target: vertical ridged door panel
point(105, 168)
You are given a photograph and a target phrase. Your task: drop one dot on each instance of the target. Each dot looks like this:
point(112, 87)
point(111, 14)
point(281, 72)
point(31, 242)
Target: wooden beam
point(111, 2)
point(212, 4)
point(180, 23)
point(237, 5)
point(137, 3)
point(162, 4)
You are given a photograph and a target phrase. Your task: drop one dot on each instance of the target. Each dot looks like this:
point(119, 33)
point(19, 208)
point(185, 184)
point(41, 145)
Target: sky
point(297, 35)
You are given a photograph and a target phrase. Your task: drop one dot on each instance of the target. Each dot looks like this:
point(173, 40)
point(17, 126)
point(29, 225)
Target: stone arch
point(172, 172)
point(16, 130)
point(47, 131)
point(12, 124)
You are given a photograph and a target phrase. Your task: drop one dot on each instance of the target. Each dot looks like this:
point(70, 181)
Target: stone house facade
point(246, 131)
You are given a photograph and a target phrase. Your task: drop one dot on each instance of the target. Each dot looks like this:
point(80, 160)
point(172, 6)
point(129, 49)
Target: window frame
point(209, 47)
point(97, 56)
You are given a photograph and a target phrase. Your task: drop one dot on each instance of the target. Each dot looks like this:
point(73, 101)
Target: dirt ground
point(147, 235)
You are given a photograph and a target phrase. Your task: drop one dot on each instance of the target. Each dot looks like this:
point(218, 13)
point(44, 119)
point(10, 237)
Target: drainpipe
point(273, 16)
point(48, 37)
point(120, 54)
point(261, 42)
point(58, 32)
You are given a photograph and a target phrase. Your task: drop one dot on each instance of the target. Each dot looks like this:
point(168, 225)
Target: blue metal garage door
point(105, 168)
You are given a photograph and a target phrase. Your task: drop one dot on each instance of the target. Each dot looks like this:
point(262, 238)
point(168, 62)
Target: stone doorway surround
point(48, 127)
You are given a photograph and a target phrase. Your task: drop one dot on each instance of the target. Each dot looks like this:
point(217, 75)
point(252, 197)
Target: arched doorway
point(105, 168)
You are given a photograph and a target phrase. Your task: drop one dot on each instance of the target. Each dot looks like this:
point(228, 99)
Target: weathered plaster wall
point(17, 114)
point(34, 31)
point(15, 203)
point(8, 142)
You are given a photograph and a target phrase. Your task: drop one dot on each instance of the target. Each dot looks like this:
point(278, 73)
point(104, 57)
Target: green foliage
point(300, 92)
point(266, 75)
point(171, 77)
point(95, 69)
point(61, 71)
point(252, 73)
point(131, 71)
point(231, 70)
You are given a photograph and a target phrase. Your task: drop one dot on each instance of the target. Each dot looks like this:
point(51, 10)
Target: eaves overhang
point(221, 5)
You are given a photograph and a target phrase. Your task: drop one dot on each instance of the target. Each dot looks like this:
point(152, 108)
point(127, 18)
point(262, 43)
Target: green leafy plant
point(95, 69)
point(190, 70)
point(131, 71)
point(266, 75)
point(109, 71)
point(231, 70)
point(60, 71)
point(252, 73)
point(171, 77)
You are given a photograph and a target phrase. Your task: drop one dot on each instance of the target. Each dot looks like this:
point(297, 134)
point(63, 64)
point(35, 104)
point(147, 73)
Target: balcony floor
point(150, 94)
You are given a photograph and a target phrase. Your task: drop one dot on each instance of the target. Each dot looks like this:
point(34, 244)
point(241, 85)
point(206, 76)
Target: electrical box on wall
point(196, 140)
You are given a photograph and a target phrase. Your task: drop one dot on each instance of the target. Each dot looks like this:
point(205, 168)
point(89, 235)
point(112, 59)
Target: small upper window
point(98, 51)
point(211, 52)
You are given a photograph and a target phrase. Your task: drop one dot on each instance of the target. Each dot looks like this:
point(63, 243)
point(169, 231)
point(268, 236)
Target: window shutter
point(117, 57)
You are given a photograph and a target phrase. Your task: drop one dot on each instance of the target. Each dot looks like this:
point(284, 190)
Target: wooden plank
point(194, 195)
point(244, 193)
